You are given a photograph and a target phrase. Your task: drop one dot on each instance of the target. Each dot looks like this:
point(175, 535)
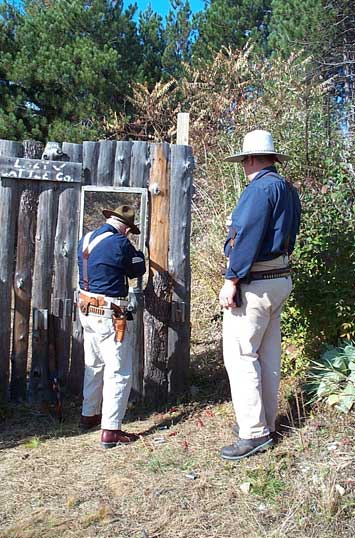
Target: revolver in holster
point(119, 319)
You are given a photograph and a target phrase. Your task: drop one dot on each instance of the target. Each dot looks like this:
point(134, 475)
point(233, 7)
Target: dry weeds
point(172, 483)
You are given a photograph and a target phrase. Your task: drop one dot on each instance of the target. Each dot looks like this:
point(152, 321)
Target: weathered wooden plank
point(65, 245)
point(90, 159)
point(122, 164)
point(158, 289)
point(182, 165)
point(23, 276)
point(74, 152)
point(106, 163)
point(140, 165)
point(138, 177)
point(8, 214)
point(76, 368)
point(40, 390)
point(35, 169)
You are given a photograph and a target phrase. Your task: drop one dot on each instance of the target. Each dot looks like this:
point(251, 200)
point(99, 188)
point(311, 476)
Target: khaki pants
point(108, 370)
point(252, 351)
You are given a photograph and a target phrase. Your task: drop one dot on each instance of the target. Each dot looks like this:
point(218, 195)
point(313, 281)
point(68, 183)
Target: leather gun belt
point(92, 301)
point(283, 272)
point(100, 306)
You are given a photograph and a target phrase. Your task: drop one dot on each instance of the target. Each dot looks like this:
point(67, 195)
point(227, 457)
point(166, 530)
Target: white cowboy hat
point(257, 142)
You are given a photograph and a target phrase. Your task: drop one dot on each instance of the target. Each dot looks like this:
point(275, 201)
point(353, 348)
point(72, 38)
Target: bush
point(284, 101)
point(332, 378)
point(231, 96)
point(321, 308)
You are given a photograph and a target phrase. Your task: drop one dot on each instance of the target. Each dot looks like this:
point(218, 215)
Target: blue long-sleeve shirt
point(110, 263)
point(265, 223)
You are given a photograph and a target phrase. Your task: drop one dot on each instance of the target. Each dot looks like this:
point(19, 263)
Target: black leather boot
point(246, 447)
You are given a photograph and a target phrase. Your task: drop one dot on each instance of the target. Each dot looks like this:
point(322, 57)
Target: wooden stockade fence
point(40, 340)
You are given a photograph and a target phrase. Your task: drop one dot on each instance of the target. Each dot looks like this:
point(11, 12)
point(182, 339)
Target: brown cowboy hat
point(125, 214)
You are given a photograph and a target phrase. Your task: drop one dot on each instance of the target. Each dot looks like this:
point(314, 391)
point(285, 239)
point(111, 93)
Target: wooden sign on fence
point(18, 168)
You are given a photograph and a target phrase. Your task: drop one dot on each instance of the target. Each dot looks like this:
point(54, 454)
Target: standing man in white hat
point(106, 258)
point(257, 282)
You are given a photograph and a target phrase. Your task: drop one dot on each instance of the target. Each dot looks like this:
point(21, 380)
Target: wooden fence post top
point(182, 135)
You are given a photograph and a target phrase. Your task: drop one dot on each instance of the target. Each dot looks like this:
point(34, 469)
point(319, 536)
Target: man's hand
point(227, 293)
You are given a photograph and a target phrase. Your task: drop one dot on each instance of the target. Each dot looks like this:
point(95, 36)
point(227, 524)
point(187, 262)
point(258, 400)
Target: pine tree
point(73, 60)
point(13, 113)
point(229, 23)
point(325, 31)
point(151, 35)
point(178, 39)
point(296, 25)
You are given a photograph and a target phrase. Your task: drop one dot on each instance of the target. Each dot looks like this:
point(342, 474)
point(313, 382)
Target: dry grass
point(172, 483)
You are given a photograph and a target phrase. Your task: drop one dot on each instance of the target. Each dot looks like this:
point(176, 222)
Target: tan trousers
point(108, 370)
point(252, 351)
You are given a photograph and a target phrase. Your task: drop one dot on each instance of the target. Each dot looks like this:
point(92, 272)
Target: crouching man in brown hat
point(261, 238)
point(106, 259)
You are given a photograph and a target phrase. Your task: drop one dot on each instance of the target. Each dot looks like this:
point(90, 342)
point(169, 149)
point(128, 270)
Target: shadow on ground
point(208, 385)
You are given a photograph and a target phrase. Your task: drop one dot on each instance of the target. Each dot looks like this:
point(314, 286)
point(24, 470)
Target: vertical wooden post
point(182, 165)
point(23, 276)
point(40, 391)
point(89, 155)
point(139, 174)
point(157, 292)
point(182, 135)
point(106, 162)
point(64, 266)
point(90, 159)
point(76, 369)
point(8, 215)
point(122, 164)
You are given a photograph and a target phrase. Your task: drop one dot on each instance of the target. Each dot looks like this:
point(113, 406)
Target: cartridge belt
point(102, 300)
point(283, 272)
point(97, 311)
point(102, 306)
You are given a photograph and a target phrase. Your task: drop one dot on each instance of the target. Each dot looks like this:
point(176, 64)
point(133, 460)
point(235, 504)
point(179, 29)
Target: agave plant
point(332, 378)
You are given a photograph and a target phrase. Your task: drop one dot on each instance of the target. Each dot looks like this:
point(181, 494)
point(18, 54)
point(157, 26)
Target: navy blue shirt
point(110, 263)
point(265, 223)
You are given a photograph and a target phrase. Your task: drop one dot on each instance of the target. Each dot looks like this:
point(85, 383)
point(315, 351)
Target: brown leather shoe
point(112, 438)
point(86, 423)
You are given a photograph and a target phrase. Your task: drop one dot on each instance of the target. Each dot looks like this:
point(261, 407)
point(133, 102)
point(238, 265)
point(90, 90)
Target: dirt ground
point(58, 482)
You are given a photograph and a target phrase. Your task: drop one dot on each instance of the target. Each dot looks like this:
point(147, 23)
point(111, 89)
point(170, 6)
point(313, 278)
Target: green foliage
point(320, 29)
point(332, 378)
point(14, 116)
point(295, 25)
point(177, 38)
point(151, 36)
point(266, 482)
point(325, 257)
point(34, 442)
point(228, 23)
point(67, 67)
point(227, 99)
point(69, 62)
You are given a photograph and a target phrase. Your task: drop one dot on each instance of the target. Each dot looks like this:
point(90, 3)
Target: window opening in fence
point(94, 199)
